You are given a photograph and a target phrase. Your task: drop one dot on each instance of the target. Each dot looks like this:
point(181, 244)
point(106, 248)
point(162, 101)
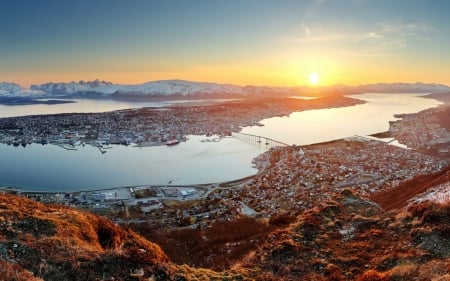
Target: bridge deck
point(259, 139)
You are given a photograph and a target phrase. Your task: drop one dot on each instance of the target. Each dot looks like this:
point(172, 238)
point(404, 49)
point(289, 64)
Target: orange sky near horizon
point(290, 76)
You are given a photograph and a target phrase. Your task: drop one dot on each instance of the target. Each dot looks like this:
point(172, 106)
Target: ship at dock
point(172, 142)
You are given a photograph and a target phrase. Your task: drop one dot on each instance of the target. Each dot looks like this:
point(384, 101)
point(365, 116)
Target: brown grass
point(14, 272)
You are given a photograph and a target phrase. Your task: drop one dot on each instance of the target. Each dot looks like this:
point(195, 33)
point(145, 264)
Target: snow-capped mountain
point(404, 88)
point(181, 87)
point(8, 89)
point(71, 88)
point(161, 88)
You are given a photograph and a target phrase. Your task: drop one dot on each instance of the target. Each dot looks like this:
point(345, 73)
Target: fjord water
point(51, 168)
point(321, 125)
point(90, 106)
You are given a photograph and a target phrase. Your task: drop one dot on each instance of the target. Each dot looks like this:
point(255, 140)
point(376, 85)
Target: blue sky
point(242, 42)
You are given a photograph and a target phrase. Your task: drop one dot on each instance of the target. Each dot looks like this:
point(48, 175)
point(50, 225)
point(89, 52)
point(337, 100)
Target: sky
point(245, 42)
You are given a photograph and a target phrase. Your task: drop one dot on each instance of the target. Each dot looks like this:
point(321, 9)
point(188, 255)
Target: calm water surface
point(89, 106)
point(51, 168)
point(320, 125)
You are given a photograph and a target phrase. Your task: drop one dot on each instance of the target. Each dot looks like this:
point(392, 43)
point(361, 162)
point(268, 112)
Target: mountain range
point(189, 89)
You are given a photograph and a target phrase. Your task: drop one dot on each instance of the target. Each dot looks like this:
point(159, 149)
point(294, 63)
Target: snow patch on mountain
point(172, 87)
point(158, 88)
point(161, 87)
point(73, 87)
point(8, 89)
point(438, 194)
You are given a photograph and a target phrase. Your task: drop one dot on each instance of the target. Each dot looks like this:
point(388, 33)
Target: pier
point(258, 140)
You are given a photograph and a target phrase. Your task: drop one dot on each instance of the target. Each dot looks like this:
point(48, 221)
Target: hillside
point(40, 242)
point(344, 238)
point(351, 238)
point(398, 197)
point(57, 243)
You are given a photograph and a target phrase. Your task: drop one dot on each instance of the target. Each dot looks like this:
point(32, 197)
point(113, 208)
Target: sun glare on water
point(314, 78)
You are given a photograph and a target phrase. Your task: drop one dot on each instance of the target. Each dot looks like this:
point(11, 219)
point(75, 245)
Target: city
point(289, 180)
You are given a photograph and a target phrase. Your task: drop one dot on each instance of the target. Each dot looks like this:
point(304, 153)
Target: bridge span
point(258, 140)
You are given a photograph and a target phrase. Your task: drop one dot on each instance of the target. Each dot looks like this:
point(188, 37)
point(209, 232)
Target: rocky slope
point(351, 238)
point(40, 242)
point(345, 238)
point(398, 197)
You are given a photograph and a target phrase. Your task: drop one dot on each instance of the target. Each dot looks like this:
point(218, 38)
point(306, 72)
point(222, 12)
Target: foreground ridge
point(345, 238)
point(352, 238)
point(51, 242)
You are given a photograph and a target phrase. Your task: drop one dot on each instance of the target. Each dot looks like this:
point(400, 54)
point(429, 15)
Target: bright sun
point(314, 78)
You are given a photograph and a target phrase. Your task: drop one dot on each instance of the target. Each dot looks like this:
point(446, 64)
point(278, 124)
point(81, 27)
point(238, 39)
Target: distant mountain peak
point(10, 89)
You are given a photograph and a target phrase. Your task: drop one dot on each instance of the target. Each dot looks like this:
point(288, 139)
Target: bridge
point(258, 140)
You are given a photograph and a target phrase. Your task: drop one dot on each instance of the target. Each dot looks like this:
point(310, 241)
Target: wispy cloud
point(384, 37)
point(368, 36)
point(306, 29)
point(402, 29)
point(315, 5)
point(394, 35)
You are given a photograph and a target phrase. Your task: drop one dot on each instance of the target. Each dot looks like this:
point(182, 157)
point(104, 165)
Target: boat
point(172, 142)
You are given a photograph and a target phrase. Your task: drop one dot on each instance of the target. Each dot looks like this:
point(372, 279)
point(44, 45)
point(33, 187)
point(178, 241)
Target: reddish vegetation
point(14, 272)
point(217, 247)
point(57, 243)
point(42, 242)
point(346, 238)
point(352, 239)
point(397, 197)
